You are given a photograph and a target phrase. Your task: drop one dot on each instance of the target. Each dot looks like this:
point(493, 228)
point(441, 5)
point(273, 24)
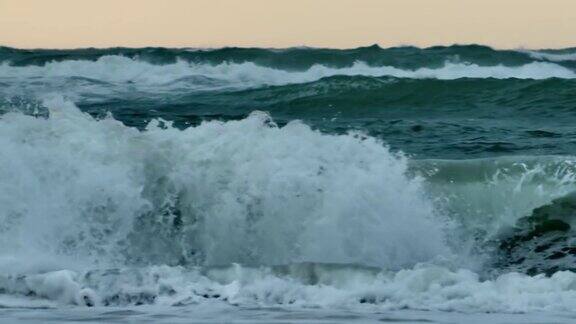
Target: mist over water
point(366, 179)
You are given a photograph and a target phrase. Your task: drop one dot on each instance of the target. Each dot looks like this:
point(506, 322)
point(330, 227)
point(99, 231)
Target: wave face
point(369, 179)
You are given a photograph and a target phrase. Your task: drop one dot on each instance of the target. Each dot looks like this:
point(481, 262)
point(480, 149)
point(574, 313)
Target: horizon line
point(216, 47)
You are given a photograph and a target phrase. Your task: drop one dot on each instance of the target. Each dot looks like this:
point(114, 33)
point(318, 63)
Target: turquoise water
point(278, 185)
point(441, 102)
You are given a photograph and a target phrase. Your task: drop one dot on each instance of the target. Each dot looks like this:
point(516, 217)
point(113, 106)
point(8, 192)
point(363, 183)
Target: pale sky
point(285, 23)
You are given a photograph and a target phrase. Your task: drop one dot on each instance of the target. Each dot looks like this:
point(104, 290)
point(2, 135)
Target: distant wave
point(121, 69)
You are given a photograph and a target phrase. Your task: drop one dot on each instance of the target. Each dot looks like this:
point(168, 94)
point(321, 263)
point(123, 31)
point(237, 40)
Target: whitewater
point(192, 186)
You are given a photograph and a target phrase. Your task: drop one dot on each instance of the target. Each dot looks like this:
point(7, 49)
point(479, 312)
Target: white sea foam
point(242, 191)
point(424, 287)
point(119, 69)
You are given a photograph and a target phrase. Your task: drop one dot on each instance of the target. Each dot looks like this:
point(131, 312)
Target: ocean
point(288, 185)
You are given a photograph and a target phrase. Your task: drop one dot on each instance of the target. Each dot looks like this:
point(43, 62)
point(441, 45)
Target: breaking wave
point(249, 213)
point(243, 191)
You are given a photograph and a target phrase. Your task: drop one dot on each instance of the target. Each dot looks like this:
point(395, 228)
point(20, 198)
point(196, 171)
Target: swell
point(423, 95)
point(431, 118)
point(339, 91)
point(301, 58)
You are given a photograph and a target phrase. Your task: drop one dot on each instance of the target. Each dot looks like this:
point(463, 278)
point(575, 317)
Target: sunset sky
point(285, 23)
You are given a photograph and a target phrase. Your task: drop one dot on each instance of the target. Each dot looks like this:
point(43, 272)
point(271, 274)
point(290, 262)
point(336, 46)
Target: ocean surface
point(288, 185)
